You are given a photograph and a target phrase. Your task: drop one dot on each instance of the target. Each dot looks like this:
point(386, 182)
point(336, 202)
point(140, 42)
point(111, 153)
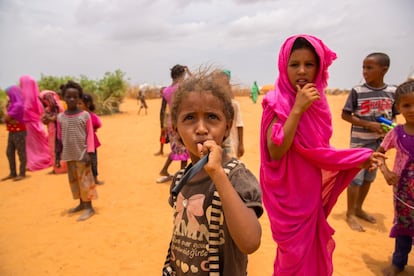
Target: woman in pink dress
point(37, 147)
point(301, 174)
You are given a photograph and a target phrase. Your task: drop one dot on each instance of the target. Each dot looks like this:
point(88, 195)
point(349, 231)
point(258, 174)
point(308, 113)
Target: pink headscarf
point(32, 106)
point(15, 108)
point(301, 188)
point(52, 101)
point(319, 113)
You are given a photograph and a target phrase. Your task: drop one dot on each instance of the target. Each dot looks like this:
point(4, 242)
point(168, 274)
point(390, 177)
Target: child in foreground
point(233, 145)
point(216, 212)
point(75, 133)
point(301, 174)
point(401, 177)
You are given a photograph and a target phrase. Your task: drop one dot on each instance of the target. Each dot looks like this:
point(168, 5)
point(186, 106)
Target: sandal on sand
point(164, 178)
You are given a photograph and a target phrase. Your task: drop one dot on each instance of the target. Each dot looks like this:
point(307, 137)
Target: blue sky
point(145, 38)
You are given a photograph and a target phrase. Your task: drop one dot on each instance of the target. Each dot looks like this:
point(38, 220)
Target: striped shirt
point(76, 133)
point(368, 103)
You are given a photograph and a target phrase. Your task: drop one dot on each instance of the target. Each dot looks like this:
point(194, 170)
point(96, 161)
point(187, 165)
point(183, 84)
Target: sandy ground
point(131, 230)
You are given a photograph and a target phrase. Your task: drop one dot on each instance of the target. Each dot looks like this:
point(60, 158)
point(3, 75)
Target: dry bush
point(154, 92)
point(151, 92)
point(239, 91)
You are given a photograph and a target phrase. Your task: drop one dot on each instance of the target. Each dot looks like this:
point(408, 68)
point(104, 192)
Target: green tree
point(3, 103)
point(108, 93)
point(111, 91)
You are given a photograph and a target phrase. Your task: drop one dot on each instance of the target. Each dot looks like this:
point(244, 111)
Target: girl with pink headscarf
point(52, 107)
point(301, 174)
point(37, 147)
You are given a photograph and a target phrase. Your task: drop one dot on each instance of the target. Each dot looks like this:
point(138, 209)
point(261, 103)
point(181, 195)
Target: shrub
point(3, 102)
point(108, 93)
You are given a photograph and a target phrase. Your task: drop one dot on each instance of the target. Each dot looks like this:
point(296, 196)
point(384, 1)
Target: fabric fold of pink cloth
point(37, 147)
point(300, 189)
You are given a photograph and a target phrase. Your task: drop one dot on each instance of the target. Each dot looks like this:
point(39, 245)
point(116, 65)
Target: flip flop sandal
point(164, 178)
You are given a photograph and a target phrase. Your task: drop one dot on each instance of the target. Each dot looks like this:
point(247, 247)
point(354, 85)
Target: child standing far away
point(301, 174)
point(75, 131)
point(401, 177)
point(216, 212)
point(142, 102)
point(365, 104)
point(17, 133)
point(254, 93)
point(87, 104)
point(233, 145)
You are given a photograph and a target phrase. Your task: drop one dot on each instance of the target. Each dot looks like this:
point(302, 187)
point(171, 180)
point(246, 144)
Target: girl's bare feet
point(363, 215)
point(354, 224)
point(392, 270)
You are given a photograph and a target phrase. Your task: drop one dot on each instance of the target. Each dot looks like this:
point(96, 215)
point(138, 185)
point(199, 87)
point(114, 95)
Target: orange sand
point(131, 230)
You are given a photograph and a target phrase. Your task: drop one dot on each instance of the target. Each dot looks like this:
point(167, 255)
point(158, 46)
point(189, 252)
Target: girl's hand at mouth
point(215, 155)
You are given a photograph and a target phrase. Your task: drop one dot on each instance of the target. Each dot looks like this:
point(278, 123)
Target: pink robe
point(53, 106)
point(178, 150)
point(37, 147)
point(301, 188)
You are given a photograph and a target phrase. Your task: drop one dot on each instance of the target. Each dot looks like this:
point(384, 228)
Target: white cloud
point(145, 38)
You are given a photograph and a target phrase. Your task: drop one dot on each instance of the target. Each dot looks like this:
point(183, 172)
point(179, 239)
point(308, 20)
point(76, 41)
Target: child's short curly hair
point(177, 71)
point(71, 84)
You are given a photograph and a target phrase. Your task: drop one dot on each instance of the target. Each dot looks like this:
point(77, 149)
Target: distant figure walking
point(254, 92)
point(142, 102)
point(233, 145)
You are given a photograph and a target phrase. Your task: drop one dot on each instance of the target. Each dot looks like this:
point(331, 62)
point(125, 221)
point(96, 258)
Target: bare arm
point(241, 220)
point(188, 71)
point(162, 112)
point(373, 126)
point(240, 150)
point(390, 176)
point(304, 98)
